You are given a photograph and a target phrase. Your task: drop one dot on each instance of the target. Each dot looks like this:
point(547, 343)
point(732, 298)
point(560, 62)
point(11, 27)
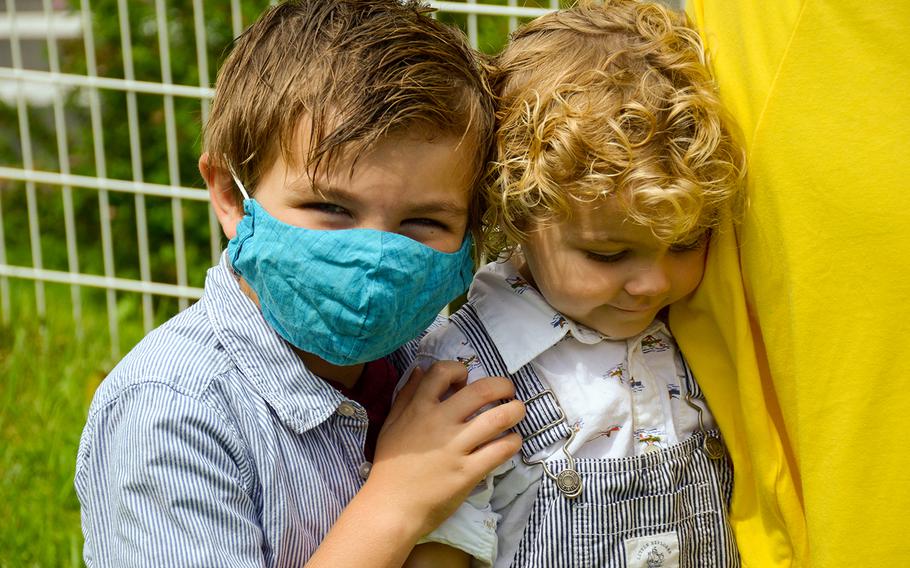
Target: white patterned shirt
point(621, 396)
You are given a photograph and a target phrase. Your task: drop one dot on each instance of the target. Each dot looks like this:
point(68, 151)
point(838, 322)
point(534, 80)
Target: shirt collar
point(300, 399)
point(521, 323)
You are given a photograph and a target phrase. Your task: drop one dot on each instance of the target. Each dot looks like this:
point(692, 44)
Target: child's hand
point(432, 452)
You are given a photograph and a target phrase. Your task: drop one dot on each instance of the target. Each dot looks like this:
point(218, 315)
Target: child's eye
point(690, 245)
point(426, 222)
point(600, 257)
point(327, 208)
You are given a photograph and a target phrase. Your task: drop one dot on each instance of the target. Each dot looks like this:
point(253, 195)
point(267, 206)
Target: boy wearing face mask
point(342, 151)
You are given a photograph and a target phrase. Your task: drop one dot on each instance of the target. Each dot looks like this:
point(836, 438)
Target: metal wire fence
point(100, 112)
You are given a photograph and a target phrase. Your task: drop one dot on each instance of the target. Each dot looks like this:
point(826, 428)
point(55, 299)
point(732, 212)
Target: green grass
point(47, 378)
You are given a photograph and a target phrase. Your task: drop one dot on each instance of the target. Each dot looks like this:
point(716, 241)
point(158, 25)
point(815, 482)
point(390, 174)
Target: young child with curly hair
point(614, 163)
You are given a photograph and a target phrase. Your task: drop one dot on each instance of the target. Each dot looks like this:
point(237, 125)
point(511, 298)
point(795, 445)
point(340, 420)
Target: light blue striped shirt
point(211, 444)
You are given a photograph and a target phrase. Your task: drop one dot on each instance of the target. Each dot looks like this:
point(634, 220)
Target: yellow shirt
point(817, 428)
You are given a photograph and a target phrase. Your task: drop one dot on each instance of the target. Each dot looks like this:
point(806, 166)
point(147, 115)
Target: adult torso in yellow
point(816, 428)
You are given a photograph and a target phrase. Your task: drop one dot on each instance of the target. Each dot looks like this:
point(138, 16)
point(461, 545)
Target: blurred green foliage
point(46, 383)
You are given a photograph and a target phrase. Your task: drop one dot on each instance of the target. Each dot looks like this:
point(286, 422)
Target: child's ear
point(222, 194)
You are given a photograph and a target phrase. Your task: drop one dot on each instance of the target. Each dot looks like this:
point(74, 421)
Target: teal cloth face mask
point(348, 296)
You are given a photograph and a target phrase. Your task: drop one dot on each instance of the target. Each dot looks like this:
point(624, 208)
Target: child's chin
point(624, 330)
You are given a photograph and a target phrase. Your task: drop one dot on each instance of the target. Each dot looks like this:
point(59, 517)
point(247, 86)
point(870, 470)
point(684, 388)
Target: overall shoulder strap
point(690, 383)
point(544, 423)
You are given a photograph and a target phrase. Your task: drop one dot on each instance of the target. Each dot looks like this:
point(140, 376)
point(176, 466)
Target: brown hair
point(358, 70)
point(612, 100)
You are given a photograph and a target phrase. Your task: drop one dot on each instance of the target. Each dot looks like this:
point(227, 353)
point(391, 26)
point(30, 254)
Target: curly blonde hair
point(610, 100)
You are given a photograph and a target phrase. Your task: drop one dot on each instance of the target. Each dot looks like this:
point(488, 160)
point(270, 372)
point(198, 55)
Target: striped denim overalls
point(664, 509)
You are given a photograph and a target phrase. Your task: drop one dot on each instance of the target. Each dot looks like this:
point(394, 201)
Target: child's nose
point(650, 280)
point(378, 225)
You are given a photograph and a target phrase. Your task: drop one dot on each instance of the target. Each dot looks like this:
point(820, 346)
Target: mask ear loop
point(236, 179)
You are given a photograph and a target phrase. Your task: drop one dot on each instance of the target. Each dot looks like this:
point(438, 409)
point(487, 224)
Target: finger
point(406, 394)
point(482, 392)
point(494, 453)
point(491, 424)
point(439, 378)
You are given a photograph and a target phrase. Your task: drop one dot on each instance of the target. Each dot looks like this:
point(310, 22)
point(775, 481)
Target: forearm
point(430, 454)
point(369, 533)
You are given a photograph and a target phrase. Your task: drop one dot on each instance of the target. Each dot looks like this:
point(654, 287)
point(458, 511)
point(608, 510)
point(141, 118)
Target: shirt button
point(364, 470)
point(346, 409)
